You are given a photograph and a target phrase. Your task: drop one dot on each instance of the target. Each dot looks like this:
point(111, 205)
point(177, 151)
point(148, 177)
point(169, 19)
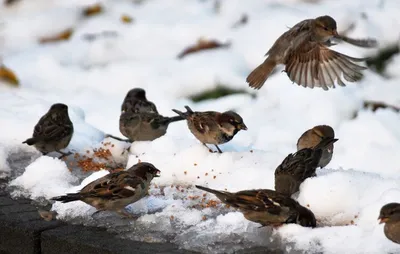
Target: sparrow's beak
point(335, 33)
point(242, 126)
point(335, 139)
point(158, 172)
point(382, 220)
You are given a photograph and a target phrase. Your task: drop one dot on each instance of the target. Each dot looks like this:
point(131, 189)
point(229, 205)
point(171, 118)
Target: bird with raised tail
point(304, 50)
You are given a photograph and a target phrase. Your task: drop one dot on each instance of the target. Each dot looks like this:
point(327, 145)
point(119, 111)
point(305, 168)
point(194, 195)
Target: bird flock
point(304, 50)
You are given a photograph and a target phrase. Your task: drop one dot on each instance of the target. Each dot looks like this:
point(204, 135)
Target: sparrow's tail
point(31, 141)
point(68, 198)
point(325, 142)
point(222, 195)
point(185, 115)
point(259, 75)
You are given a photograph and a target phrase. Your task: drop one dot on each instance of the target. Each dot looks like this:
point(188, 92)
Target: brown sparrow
point(313, 137)
point(297, 167)
point(53, 132)
point(144, 126)
point(136, 101)
point(308, 61)
point(390, 215)
point(115, 191)
point(212, 127)
point(267, 207)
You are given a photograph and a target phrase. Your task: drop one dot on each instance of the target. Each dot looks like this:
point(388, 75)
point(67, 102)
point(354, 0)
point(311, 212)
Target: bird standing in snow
point(140, 120)
point(297, 167)
point(308, 61)
point(115, 191)
point(53, 132)
point(267, 207)
point(211, 127)
point(313, 137)
point(390, 215)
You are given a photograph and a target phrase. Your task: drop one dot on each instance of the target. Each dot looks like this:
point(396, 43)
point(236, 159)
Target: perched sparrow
point(212, 127)
point(53, 132)
point(136, 101)
point(144, 126)
point(115, 191)
point(308, 61)
point(390, 215)
point(313, 137)
point(267, 207)
point(297, 167)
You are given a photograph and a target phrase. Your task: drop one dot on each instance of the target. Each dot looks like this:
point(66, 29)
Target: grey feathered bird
point(53, 132)
point(390, 215)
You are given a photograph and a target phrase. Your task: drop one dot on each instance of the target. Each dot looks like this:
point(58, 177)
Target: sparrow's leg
point(219, 150)
point(211, 151)
point(63, 154)
point(117, 138)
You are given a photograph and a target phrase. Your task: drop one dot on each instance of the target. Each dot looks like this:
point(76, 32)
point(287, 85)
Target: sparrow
point(113, 192)
point(390, 215)
point(297, 167)
point(267, 207)
point(212, 127)
point(144, 126)
point(313, 137)
point(53, 132)
point(136, 101)
point(304, 50)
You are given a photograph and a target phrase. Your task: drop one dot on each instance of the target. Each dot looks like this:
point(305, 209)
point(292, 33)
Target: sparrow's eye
point(325, 28)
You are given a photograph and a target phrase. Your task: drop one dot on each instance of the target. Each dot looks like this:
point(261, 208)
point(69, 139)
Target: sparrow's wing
point(301, 164)
point(52, 126)
point(292, 38)
point(314, 65)
point(115, 186)
point(204, 122)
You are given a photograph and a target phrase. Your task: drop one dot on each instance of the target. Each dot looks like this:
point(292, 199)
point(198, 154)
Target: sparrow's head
point(59, 107)
point(389, 212)
point(231, 122)
point(145, 170)
point(305, 217)
point(325, 27)
point(137, 93)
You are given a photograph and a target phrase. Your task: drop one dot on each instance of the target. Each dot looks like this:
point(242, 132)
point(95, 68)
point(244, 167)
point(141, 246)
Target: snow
point(92, 78)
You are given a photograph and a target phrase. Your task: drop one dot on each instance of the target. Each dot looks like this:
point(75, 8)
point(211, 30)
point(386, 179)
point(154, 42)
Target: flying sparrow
point(313, 137)
point(267, 207)
point(113, 192)
point(136, 101)
point(212, 127)
point(390, 215)
point(144, 126)
point(53, 132)
point(303, 49)
point(297, 167)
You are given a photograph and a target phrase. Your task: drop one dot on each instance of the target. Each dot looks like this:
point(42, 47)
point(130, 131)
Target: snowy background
point(92, 76)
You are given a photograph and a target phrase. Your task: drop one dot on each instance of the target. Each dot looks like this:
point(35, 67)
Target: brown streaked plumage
point(135, 101)
point(53, 132)
point(267, 207)
point(211, 127)
point(390, 215)
point(113, 192)
point(308, 61)
point(144, 126)
point(297, 167)
point(313, 137)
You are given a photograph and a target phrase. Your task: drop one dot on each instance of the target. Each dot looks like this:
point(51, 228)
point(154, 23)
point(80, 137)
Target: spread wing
point(114, 186)
point(314, 65)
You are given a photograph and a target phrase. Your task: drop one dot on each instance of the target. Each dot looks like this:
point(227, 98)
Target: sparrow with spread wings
point(304, 50)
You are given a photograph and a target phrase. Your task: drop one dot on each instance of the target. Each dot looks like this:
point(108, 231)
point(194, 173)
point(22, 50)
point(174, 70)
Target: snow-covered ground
point(92, 77)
